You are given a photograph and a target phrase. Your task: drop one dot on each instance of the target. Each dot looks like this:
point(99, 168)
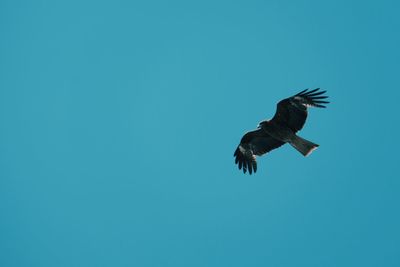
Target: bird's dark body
point(277, 131)
point(289, 118)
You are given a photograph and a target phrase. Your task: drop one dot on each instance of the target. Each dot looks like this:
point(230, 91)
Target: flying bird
point(290, 116)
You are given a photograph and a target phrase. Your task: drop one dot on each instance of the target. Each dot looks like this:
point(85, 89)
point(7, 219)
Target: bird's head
point(262, 123)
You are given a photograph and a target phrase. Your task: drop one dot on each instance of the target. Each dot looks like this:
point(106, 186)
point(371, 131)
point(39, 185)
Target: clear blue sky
point(119, 119)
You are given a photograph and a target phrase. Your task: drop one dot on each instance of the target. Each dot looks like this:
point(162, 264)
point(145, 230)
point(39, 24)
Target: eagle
point(290, 116)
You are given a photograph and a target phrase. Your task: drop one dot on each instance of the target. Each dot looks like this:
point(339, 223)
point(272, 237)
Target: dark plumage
point(290, 116)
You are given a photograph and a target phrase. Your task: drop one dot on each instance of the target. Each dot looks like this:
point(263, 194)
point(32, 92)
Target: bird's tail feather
point(302, 145)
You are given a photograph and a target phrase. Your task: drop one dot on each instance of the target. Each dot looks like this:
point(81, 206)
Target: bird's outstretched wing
point(292, 111)
point(254, 143)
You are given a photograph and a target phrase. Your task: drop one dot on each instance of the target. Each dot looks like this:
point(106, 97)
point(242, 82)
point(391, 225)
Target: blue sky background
point(119, 119)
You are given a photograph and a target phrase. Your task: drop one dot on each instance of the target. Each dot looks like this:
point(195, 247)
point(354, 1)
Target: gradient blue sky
point(119, 119)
